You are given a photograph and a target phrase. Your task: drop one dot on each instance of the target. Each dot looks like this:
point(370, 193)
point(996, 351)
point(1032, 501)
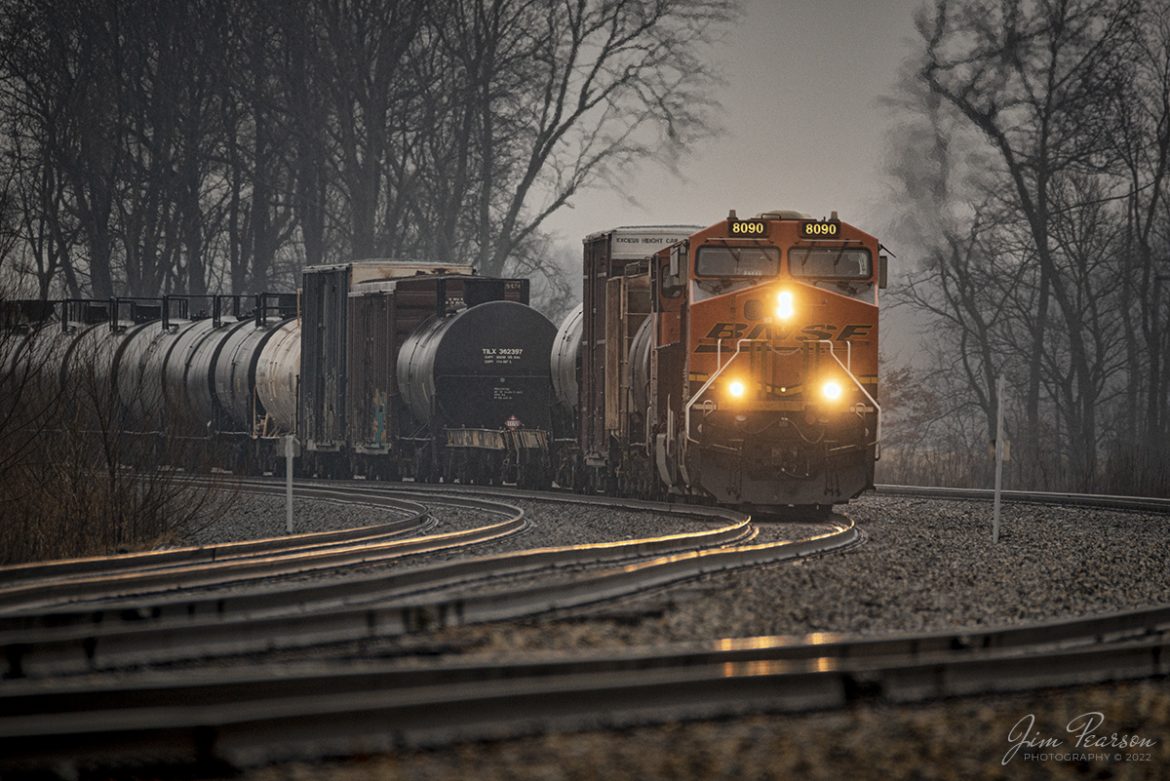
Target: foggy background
point(804, 128)
point(1012, 155)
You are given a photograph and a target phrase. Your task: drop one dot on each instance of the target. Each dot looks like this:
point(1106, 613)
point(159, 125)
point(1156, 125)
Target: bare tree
point(611, 83)
point(76, 477)
point(223, 144)
point(1037, 80)
point(1142, 140)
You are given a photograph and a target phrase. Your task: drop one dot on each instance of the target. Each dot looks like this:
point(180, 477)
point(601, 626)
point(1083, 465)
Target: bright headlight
point(736, 389)
point(785, 305)
point(831, 390)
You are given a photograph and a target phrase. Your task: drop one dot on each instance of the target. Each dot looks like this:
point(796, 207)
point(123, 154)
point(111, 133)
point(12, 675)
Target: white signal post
point(288, 472)
point(998, 456)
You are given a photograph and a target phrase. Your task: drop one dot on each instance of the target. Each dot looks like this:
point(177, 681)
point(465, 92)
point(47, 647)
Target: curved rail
point(234, 715)
point(305, 597)
point(80, 649)
point(416, 515)
point(1103, 501)
point(40, 593)
point(375, 607)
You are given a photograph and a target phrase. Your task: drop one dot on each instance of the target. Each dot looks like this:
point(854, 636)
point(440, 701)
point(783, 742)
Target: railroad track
point(81, 638)
point(1103, 501)
point(245, 717)
point(415, 518)
point(46, 586)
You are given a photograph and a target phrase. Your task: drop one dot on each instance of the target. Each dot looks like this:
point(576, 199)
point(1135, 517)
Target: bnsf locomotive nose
point(736, 363)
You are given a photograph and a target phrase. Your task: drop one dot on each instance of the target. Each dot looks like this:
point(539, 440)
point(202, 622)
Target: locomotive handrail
point(877, 444)
point(719, 370)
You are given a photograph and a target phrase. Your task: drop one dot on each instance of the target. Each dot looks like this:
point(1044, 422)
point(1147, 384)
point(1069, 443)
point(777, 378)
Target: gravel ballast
point(954, 739)
point(551, 524)
point(926, 565)
point(251, 516)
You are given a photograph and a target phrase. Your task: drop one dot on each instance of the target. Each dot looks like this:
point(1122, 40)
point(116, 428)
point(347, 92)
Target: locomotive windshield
point(729, 261)
point(839, 263)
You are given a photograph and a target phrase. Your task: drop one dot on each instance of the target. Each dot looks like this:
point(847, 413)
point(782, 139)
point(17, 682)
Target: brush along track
point(294, 555)
point(197, 627)
point(259, 716)
point(413, 517)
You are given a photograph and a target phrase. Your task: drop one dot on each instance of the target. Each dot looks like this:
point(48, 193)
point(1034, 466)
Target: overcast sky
point(803, 126)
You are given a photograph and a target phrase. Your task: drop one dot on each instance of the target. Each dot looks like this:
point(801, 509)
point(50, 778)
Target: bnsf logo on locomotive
point(724, 330)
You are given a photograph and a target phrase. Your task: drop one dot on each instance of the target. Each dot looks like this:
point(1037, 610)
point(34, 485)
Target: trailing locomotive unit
point(421, 370)
point(739, 365)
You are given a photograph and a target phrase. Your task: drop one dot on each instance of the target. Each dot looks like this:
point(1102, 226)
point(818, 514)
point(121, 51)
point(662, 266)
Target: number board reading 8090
point(747, 228)
point(820, 230)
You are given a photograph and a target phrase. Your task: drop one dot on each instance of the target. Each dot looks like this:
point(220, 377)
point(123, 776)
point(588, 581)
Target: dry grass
point(75, 480)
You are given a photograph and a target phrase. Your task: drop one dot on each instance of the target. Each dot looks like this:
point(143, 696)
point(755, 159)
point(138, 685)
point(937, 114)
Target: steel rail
point(416, 515)
point(420, 491)
point(1151, 504)
point(234, 717)
point(243, 716)
point(306, 597)
point(1103, 501)
point(273, 599)
point(223, 686)
point(84, 648)
point(28, 595)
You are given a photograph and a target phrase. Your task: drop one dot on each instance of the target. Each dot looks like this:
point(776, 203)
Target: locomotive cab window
point(831, 263)
point(732, 261)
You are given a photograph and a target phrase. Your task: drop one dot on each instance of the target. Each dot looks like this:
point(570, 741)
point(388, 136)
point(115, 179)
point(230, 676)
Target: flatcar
point(737, 365)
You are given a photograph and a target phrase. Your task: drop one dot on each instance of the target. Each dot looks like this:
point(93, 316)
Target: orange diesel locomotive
point(736, 365)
